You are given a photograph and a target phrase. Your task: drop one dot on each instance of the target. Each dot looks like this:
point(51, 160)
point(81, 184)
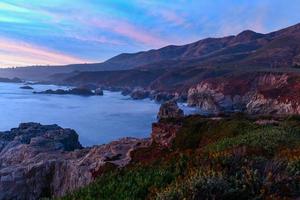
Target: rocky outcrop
point(163, 133)
point(260, 93)
point(260, 104)
point(73, 91)
point(42, 161)
point(139, 94)
point(13, 80)
point(204, 101)
point(126, 91)
point(26, 87)
point(169, 109)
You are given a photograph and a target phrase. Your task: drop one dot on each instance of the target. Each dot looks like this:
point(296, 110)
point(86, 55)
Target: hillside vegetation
point(229, 158)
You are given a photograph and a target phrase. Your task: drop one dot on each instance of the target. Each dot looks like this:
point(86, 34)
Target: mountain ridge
point(277, 49)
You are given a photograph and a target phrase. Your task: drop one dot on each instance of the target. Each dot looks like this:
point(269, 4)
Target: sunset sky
point(78, 31)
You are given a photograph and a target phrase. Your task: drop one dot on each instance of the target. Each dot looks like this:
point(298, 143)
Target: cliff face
point(256, 93)
point(43, 161)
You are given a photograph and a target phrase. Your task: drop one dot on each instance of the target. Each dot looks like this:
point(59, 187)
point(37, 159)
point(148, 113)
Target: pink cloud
point(172, 17)
point(131, 31)
point(16, 53)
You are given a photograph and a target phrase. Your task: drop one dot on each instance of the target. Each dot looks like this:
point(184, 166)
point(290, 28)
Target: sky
point(56, 32)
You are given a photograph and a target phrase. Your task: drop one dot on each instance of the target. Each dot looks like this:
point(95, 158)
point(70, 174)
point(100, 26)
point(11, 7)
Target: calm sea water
point(97, 119)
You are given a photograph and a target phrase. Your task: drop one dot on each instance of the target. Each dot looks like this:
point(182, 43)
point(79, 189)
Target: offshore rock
point(74, 91)
point(26, 87)
point(139, 94)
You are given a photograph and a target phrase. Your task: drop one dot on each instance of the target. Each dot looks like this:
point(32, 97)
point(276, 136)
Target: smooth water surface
point(97, 119)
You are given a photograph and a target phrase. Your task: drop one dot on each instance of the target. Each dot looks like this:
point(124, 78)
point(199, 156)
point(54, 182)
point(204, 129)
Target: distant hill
point(279, 49)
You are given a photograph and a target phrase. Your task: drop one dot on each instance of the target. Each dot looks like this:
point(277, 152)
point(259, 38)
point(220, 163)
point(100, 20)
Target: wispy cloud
point(166, 12)
point(130, 31)
point(16, 53)
point(172, 17)
point(98, 30)
point(12, 8)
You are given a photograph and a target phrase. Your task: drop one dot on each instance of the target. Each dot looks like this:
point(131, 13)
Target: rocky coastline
point(259, 93)
point(48, 161)
point(73, 91)
point(39, 161)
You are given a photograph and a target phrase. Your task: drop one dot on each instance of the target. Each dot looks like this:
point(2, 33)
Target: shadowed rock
point(139, 94)
point(74, 91)
point(26, 87)
point(169, 109)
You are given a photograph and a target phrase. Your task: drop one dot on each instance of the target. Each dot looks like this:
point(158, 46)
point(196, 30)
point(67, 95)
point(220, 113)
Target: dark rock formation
point(26, 87)
point(139, 94)
point(13, 80)
point(74, 91)
point(43, 161)
point(205, 102)
point(126, 91)
point(169, 109)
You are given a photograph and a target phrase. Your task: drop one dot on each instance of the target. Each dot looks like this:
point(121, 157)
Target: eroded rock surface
point(260, 93)
point(163, 133)
point(169, 109)
point(43, 161)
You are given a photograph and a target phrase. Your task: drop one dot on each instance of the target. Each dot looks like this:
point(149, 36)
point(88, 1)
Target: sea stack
point(169, 109)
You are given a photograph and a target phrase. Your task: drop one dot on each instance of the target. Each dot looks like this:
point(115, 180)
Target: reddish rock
point(163, 133)
point(255, 93)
